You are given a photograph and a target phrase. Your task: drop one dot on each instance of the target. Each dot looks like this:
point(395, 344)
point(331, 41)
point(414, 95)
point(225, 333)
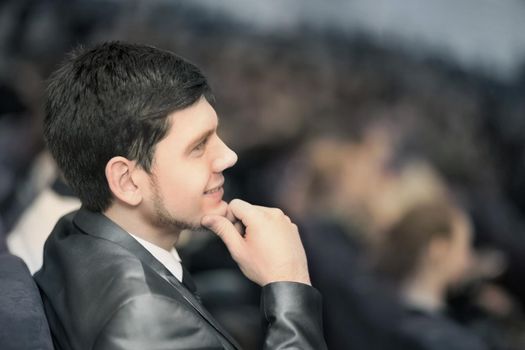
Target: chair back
point(23, 323)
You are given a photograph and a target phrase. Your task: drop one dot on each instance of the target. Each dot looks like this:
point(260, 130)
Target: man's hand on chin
point(263, 241)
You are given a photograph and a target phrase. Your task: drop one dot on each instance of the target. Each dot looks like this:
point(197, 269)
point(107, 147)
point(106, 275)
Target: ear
point(119, 173)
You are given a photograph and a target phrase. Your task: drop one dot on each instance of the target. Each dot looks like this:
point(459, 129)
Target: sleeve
point(293, 313)
point(155, 322)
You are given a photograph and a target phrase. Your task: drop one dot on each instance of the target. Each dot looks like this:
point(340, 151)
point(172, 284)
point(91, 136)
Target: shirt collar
point(170, 259)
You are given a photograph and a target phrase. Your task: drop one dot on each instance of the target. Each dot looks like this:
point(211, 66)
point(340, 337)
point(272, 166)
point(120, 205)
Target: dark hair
point(406, 241)
point(114, 100)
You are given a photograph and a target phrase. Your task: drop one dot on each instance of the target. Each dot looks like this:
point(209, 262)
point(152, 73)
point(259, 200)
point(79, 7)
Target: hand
point(269, 249)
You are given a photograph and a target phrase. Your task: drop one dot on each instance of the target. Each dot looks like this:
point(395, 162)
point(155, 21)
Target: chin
point(220, 209)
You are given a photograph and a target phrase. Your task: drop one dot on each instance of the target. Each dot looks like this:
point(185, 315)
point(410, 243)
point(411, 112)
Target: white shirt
point(36, 223)
point(170, 259)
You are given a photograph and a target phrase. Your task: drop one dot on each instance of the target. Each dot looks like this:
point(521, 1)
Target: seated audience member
point(343, 192)
point(54, 200)
point(134, 132)
point(359, 311)
point(423, 255)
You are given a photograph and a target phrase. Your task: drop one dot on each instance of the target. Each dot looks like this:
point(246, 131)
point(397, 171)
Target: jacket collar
point(98, 225)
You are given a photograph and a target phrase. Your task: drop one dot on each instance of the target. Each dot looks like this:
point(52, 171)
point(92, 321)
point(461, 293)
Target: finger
point(243, 205)
point(230, 216)
point(269, 210)
point(274, 212)
point(223, 228)
point(236, 222)
point(244, 211)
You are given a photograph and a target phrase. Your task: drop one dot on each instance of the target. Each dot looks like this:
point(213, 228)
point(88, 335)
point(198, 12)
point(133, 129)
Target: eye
point(202, 145)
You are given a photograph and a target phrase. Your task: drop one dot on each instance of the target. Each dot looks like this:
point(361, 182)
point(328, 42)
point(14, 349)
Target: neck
point(135, 223)
point(424, 293)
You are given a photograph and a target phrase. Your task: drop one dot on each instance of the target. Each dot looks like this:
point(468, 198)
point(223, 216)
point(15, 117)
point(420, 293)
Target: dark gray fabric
point(23, 325)
point(434, 331)
point(103, 290)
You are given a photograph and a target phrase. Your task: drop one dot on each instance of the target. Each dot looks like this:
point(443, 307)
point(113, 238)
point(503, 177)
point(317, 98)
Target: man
point(134, 132)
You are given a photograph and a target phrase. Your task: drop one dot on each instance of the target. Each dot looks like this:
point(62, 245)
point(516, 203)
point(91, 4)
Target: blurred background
point(390, 131)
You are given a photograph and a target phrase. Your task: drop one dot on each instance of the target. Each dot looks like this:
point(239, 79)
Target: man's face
point(186, 179)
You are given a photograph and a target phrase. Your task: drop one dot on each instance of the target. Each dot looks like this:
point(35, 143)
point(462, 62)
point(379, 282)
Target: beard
point(163, 218)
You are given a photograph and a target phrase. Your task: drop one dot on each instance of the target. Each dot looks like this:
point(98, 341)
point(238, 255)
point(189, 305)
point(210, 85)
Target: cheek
point(467, 258)
point(461, 262)
point(183, 186)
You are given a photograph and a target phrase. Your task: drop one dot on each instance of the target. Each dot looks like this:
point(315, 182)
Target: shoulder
point(152, 321)
point(86, 267)
point(102, 290)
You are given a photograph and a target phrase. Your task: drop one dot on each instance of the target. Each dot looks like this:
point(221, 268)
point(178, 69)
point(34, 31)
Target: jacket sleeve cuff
point(293, 312)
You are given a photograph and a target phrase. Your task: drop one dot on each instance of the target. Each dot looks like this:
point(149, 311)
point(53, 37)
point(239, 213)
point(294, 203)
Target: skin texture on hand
point(269, 250)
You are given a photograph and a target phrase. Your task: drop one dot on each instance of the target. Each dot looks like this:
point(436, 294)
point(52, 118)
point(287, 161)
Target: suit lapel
point(98, 225)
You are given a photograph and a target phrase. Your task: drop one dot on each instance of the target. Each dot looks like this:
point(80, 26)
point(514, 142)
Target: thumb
point(223, 228)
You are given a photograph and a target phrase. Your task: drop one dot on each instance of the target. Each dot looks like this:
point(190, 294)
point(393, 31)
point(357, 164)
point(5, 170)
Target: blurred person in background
point(53, 199)
point(426, 253)
point(345, 194)
point(342, 192)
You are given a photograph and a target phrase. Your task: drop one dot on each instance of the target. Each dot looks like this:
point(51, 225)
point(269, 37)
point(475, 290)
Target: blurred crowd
point(405, 174)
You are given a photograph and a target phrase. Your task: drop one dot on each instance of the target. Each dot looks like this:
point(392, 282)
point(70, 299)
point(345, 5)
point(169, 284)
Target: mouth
point(214, 190)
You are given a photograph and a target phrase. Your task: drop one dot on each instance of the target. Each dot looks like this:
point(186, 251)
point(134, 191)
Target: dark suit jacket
point(102, 290)
point(435, 331)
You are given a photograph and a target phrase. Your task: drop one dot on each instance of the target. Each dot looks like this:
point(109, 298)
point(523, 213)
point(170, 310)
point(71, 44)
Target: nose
point(226, 158)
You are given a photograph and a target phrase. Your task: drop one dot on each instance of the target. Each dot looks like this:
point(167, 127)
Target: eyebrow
point(200, 138)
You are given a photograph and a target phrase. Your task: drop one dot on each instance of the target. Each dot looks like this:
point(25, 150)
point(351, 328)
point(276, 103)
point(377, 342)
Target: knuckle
point(277, 212)
point(265, 214)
